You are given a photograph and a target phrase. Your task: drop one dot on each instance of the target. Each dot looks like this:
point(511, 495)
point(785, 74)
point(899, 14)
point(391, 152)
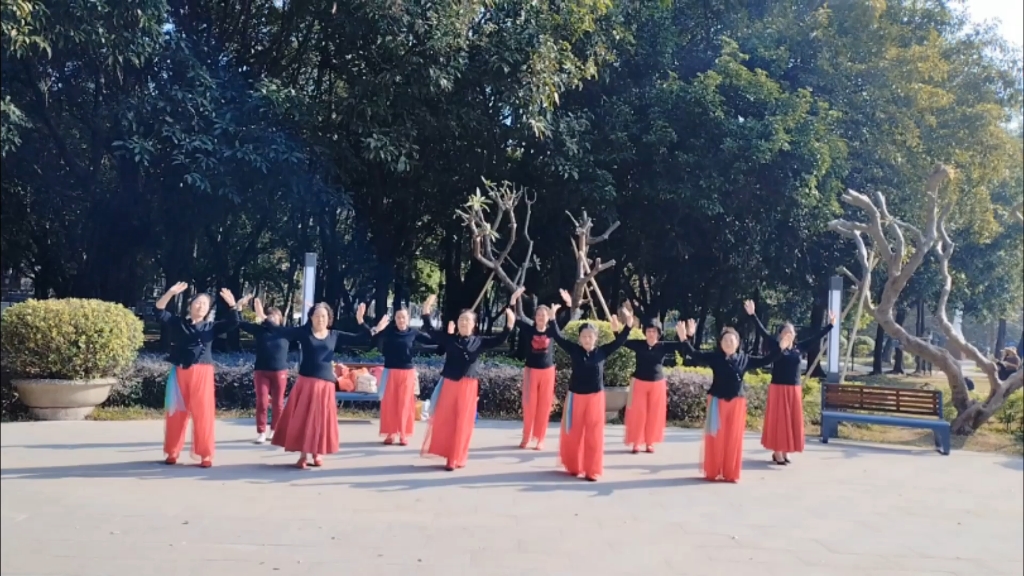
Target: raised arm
point(160, 307)
point(488, 342)
point(824, 331)
point(555, 333)
point(251, 328)
point(755, 362)
point(360, 337)
point(620, 340)
point(233, 318)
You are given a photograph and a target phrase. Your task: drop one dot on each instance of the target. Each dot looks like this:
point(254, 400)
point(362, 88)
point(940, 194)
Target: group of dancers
point(307, 423)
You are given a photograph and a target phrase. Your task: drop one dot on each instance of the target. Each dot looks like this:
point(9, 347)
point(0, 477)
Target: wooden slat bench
point(903, 407)
point(358, 396)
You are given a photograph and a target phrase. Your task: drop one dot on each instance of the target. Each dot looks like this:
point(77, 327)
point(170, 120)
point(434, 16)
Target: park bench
point(902, 407)
point(343, 397)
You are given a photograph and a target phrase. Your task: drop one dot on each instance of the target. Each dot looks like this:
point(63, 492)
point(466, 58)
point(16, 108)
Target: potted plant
point(65, 355)
point(618, 369)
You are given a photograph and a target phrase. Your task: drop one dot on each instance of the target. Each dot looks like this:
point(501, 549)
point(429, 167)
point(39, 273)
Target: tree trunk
point(876, 356)
point(1000, 337)
point(919, 332)
point(1020, 345)
point(381, 289)
point(897, 363)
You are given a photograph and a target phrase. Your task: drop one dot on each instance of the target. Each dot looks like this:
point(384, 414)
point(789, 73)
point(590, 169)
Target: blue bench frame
point(830, 419)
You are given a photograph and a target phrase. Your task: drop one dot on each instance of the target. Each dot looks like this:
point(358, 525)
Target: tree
point(885, 237)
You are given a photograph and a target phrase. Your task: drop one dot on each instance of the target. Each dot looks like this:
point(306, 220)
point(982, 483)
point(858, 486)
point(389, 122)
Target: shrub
point(863, 347)
point(69, 339)
point(618, 370)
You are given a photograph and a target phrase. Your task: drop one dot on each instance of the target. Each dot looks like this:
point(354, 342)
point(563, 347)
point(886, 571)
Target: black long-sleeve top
point(649, 358)
point(192, 343)
point(728, 371)
point(462, 353)
point(587, 367)
point(786, 368)
point(318, 353)
point(541, 353)
point(271, 345)
point(396, 345)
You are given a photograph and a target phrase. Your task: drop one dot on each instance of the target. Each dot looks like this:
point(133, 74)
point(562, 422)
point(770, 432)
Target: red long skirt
point(722, 455)
point(784, 419)
point(452, 422)
point(398, 406)
point(309, 422)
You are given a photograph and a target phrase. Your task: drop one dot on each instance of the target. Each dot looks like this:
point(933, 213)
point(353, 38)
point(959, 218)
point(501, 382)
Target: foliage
point(69, 339)
point(863, 346)
point(618, 369)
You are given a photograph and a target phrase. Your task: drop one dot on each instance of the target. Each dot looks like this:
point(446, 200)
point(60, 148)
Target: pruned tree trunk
point(585, 287)
point(884, 236)
point(897, 361)
point(503, 198)
point(876, 355)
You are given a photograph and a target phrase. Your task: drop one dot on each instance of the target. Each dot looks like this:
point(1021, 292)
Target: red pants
point(645, 413)
point(270, 387)
point(538, 395)
point(722, 457)
point(581, 445)
point(197, 390)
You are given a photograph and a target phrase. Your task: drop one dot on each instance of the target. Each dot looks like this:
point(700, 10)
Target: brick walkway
point(87, 498)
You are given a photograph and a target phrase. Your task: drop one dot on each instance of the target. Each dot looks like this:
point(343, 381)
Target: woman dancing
point(309, 422)
point(648, 397)
point(190, 389)
point(581, 442)
point(270, 376)
point(398, 383)
point(783, 431)
point(722, 454)
point(453, 409)
point(538, 375)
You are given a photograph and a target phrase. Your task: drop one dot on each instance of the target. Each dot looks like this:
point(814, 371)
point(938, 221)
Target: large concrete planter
point(63, 399)
point(615, 398)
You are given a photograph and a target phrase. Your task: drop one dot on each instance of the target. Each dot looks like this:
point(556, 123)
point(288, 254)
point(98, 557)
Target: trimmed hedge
point(69, 339)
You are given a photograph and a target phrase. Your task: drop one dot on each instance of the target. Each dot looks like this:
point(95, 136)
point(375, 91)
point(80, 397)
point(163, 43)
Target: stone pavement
point(89, 499)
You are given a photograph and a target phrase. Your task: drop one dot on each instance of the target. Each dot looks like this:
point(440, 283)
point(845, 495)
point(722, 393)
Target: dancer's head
point(541, 317)
point(466, 322)
point(588, 336)
point(402, 318)
point(652, 331)
point(321, 317)
point(729, 341)
point(274, 316)
point(786, 336)
point(199, 307)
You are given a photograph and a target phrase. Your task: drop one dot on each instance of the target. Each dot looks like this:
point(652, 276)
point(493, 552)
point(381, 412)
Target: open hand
point(383, 323)
point(566, 297)
point(748, 307)
point(691, 328)
point(626, 314)
point(616, 325)
point(360, 312)
point(244, 301)
point(681, 330)
point(178, 288)
point(555, 308)
point(428, 304)
point(228, 297)
point(451, 327)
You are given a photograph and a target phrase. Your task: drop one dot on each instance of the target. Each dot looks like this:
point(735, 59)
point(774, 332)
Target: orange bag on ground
point(346, 380)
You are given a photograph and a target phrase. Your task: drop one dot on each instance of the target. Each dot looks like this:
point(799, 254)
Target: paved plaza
point(90, 499)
